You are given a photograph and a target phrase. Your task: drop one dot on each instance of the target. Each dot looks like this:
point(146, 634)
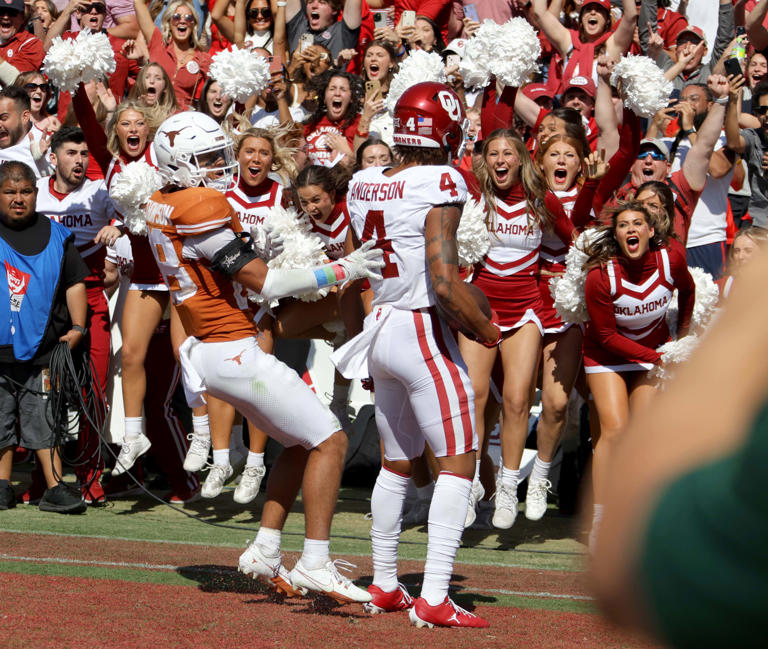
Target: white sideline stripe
point(219, 571)
point(492, 564)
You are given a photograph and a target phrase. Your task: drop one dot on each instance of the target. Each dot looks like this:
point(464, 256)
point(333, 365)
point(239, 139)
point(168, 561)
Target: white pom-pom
point(131, 189)
point(240, 73)
point(510, 52)
point(568, 290)
point(97, 59)
point(672, 354)
point(89, 57)
point(61, 65)
point(383, 126)
point(704, 305)
point(420, 66)
point(646, 90)
point(302, 248)
point(472, 239)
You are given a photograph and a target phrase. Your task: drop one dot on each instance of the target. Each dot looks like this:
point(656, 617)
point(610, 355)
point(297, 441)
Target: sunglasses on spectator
point(31, 87)
point(179, 18)
point(264, 12)
point(656, 155)
point(761, 110)
point(98, 7)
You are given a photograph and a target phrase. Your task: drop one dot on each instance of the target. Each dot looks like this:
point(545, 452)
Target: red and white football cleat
point(388, 602)
point(445, 614)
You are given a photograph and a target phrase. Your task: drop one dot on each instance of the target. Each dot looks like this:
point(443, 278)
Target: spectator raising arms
point(176, 48)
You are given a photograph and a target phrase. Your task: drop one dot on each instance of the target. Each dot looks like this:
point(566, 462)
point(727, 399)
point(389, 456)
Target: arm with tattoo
point(442, 261)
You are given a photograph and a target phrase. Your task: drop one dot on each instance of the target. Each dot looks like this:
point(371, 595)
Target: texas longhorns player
point(84, 206)
point(194, 238)
point(423, 392)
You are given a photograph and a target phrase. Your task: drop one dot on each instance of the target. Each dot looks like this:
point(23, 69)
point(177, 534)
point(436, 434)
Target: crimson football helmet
point(431, 115)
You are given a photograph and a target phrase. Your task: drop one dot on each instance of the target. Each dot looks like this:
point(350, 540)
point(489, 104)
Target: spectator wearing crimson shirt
point(176, 48)
point(19, 51)
point(92, 16)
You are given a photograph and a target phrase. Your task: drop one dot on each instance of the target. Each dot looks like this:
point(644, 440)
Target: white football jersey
point(84, 211)
point(393, 212)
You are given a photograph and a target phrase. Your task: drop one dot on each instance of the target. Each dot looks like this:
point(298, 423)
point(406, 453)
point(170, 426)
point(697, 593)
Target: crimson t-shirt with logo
point(32, 240)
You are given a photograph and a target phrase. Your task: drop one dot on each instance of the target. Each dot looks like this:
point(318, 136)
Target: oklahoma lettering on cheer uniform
point(333, 231)
point(627, 303)
point(222, 356)
point(252, 204)
point(411, 353)
point(507, 274)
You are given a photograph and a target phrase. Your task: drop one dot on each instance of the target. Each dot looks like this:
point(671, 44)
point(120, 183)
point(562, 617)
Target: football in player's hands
point(364, 263)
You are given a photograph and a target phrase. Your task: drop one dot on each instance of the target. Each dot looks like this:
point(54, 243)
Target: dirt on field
point(221, 608)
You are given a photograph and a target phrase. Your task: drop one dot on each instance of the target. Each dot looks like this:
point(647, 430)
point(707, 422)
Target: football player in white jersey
point(423, 393)
point(84, 206)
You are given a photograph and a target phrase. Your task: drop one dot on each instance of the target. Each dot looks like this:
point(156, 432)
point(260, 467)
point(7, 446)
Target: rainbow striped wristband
point(329, 275)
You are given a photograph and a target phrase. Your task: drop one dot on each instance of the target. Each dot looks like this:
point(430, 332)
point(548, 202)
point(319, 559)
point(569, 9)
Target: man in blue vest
point(42, 301)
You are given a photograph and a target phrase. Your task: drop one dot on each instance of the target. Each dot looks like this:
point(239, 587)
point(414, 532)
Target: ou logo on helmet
point(450, 104)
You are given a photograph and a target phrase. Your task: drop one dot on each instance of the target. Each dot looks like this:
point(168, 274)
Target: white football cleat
point(329, 581)
point(255, 563)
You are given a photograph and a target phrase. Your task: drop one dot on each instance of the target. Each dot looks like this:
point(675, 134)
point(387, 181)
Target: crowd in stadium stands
point(683, 189)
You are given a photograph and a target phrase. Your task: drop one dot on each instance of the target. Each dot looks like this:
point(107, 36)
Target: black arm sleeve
point(232, 257)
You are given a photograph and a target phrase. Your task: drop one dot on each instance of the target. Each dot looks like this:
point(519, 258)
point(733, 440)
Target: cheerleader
point(321, 194)
point(632, 273)
point(128, 140)
point(519, 209)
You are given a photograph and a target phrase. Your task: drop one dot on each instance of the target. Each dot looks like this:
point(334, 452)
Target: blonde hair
point(534, 186)
point(148, 113)
point(166, 104)
point(194, 41)
point(283, 163)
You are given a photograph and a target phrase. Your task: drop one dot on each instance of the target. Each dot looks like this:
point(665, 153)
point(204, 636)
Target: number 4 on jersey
point(374, 228)
point(447, 185)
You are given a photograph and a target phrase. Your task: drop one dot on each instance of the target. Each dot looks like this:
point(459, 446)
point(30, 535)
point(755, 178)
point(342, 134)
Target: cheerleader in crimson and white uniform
point(321, 194)
point(630, 279)
point(128, 140)
point(519, 209)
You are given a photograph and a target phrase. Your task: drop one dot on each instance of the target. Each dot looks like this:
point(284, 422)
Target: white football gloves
point(363, 263)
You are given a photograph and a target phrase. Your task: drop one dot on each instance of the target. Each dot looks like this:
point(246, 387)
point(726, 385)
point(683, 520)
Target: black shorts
point(24, 410)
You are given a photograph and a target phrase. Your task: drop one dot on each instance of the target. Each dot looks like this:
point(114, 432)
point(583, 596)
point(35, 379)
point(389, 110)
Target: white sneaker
point(536, 499)
point(257, 564)
point(197, 455)
point(328, 580)
point(131, 450)
point(506, 506)
point(475, 496)
point(249, 485)
point(218, 474)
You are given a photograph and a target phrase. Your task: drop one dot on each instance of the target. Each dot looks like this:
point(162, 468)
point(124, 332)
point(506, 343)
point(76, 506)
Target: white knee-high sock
point(387, 502)
point(446, 525)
